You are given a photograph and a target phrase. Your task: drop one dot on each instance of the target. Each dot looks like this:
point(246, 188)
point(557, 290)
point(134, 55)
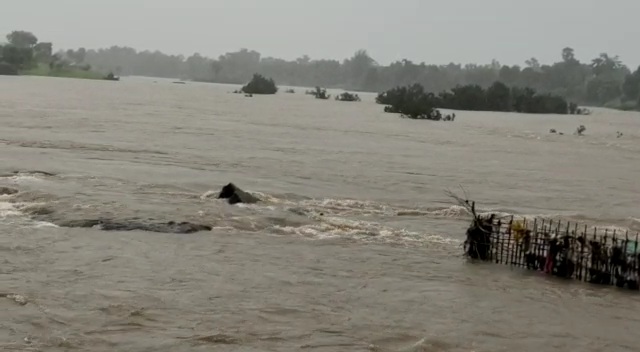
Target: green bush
point(260, 85)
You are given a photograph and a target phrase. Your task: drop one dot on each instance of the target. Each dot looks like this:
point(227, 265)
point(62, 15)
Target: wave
point(17, 214)
point(362, 231)
point(278, 214)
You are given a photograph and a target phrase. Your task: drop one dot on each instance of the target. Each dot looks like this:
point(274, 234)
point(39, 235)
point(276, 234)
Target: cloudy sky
point(467, 31)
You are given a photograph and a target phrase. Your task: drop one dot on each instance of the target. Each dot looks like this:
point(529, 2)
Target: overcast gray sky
point(467, 31)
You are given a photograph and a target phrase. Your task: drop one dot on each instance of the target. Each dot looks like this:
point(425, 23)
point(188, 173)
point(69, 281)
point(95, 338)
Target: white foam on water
point(20, 179)
point(8, 210)
point(41, 224)
point(208, 194)
point(12, 213)
point(256, 206)
point(350, 206)
point(334, 227)
point(333, 220)
point(454, 211)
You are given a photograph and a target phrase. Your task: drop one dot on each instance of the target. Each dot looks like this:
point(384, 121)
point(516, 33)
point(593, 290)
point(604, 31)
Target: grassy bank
point(623, 105)
point(45, 71)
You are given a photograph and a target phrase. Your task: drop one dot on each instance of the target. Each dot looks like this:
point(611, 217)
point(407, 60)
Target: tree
point(77, 56)
point(568, 55)
point(631, 85)
point(260, 85)
point(18, 57)
point(22, 39)
point(602, 90)
point(7, 70)
point(498, 97)
point(509, 75)
point(533, 63)
point(469, 97)
point(358, 66)
point(606, 65)
point(43, 52)
point(410, 101)
point(568, 77)
point(346, 96)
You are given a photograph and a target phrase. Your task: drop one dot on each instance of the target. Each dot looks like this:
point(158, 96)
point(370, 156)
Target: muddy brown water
point(355, 246)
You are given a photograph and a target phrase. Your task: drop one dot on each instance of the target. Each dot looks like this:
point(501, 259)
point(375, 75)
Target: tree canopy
point(597, 82)
point(601, 81)
point(413, 101)
point(260, 85)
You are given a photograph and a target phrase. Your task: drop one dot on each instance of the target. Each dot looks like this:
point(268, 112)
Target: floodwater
point(355, 246)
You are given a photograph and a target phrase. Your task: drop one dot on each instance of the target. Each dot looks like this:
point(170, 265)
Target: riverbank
point(45, 71)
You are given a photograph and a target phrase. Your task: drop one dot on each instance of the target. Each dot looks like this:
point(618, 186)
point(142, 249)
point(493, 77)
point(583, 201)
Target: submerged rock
point(7, 191)
point(28, 172)
point(235, 195)
point(133, 225)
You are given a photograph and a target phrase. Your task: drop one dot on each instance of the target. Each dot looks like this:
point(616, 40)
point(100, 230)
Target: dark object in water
point(7, 191)
point(346, 96)
point(28, 172)
point(235, 195)
point(478, 242)
point(562, 249)
point(133, 225)
point(179, 82)
point(479, 238)
point(111, 77)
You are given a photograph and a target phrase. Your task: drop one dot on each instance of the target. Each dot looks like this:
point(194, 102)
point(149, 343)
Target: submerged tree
point(260, 85)
point(346, 96)
point(319, 93)
point(498, 97)
point(411, 102)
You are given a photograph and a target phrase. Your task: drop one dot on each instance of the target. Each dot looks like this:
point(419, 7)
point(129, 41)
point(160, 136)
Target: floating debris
point(21, 300)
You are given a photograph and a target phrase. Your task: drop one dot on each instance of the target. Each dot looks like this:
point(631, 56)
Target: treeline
point(24, 53)
point(602, 81)
point(414, 102)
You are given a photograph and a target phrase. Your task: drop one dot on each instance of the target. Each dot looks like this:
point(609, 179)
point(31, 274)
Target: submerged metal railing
point(563, 249)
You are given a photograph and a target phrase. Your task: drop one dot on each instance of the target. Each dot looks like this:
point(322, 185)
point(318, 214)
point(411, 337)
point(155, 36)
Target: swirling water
point(355, 247)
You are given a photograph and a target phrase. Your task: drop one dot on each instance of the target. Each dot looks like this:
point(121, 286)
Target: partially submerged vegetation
point(346, 96)
point(25, 55)
point(260, 85)
point(112, 77)
point(413, 102)
point(410, 101)
point(600, 81)
point(319, 93)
